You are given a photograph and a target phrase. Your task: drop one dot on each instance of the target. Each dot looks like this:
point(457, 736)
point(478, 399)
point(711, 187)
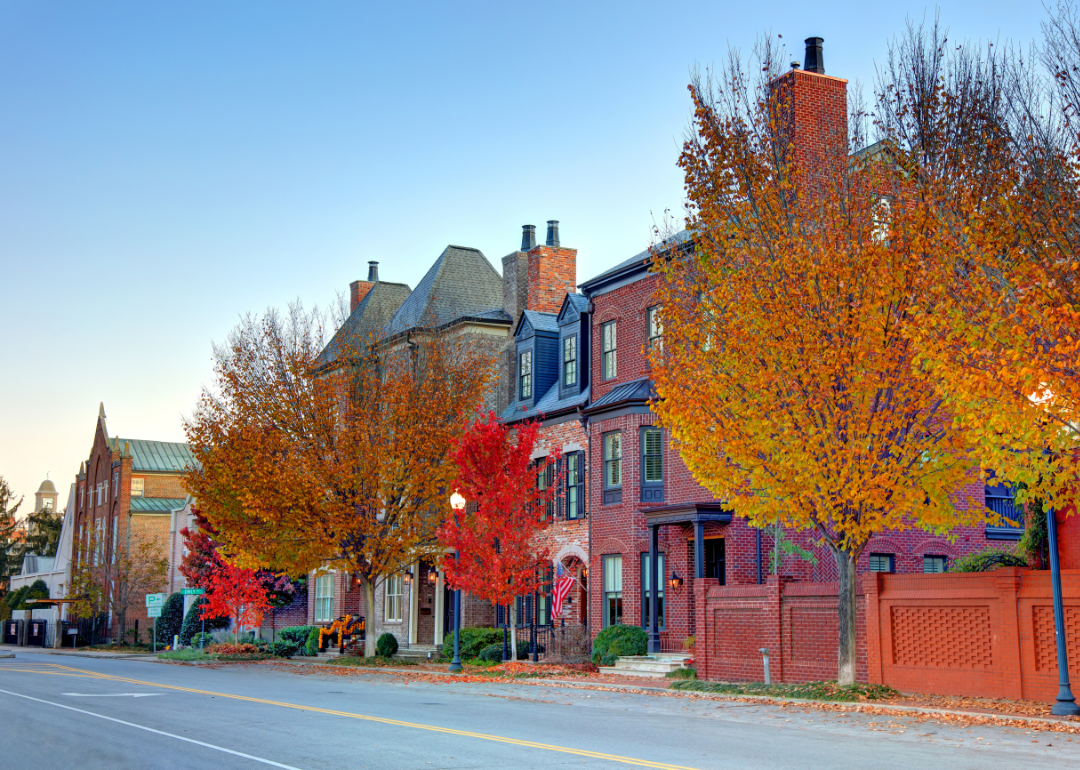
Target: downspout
point(758, 539)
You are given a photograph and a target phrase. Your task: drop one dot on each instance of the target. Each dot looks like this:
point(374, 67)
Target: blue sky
point(167, 166)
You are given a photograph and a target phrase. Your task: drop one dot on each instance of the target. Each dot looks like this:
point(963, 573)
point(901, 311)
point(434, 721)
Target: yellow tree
point(988, 145)
point(303, 468)
point(786, 376)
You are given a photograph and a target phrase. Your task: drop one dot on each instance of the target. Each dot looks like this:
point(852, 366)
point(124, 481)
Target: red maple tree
point(238, 594)
point(494, 536)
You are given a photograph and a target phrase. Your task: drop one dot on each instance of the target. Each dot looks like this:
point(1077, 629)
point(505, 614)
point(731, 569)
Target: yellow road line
point(393, 722)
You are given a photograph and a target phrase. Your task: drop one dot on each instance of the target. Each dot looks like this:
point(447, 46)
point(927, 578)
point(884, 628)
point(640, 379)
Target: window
point(575, 485)
point(525, 374)
point(882, 218)
point(881, 562)
point(98, 488)
point(543, 600)
point(652, 465)
point(612, 467)
point(137, 487)
point(106, 491)
point(655, 328)
point(612, 591)
point(114, 527)
point(1001, 499)
point(545, 475)
point(646, 591)
point(82, 498)
point(46, 505)
point(393, 598)
point(569, 361)
point(934, 564)
point(607, 358)
point(324, 598)
point(116, 484)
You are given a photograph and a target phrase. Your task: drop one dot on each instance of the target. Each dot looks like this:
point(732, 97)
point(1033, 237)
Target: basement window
point(934, 564)
point(882, 562)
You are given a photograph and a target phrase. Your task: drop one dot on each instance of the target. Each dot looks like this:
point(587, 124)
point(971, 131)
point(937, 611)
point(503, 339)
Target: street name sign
point(192, 591)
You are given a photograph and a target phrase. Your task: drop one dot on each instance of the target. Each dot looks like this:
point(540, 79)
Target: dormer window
point(569, 358)
point(525, 375)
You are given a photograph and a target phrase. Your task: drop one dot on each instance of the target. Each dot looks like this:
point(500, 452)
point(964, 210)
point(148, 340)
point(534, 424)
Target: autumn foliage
point(495, 535)
point(305, 463)
point(238, 594)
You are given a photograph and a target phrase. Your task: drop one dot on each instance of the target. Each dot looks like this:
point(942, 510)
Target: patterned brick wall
point(987, 634)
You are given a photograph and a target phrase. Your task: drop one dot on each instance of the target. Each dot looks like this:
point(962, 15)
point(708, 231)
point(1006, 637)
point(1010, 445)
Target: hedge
point(296, 635)
point(312, 645)
point(493, 652)
point(473, 640)
point(386, 646)
point(988, 560)
point(616, 641)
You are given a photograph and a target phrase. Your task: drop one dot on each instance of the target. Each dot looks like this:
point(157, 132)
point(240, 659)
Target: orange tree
point(301, 468)
point(995, 158)
point(495, 537)
point(786, 376)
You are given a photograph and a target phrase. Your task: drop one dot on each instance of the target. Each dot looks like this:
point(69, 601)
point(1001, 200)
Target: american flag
point(561, 587)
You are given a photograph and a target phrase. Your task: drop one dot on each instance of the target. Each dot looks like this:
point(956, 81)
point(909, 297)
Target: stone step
point(631, 672)
point(653, 666)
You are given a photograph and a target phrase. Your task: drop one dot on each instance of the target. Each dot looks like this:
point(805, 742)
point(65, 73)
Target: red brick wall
point(1068, 532)
point(814, 111)
point(796, 622)
point(988, 634)
point(552, 275)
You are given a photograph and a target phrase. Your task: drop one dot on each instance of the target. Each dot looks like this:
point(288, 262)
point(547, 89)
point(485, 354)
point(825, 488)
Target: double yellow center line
point(60, 670)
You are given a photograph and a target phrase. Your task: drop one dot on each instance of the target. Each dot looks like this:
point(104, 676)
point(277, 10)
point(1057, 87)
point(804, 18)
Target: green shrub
point(988, 560)
point(298, 636)
point(386, 646)
point(312, 645)
point(616, 641)
point(682, 673)
point(14, 599)
point(5, 610)
point(193, 622)
point(282, 649)
point(171, 620)
point(204, 639)
point(36, 590)
point(473, 640)
point(493, 652)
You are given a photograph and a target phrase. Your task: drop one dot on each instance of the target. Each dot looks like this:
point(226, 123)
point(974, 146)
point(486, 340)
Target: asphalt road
point(84, 714)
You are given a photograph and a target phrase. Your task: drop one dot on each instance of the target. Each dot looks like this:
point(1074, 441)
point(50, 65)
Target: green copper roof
point(156, 504)
point(159, 456)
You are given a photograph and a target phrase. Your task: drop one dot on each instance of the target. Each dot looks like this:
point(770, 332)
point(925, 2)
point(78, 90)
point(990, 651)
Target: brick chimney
point(359, 289)
point(552, 273)
point(814, 111)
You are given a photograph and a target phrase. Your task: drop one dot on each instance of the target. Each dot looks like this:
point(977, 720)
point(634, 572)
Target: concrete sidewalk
point(8, 648)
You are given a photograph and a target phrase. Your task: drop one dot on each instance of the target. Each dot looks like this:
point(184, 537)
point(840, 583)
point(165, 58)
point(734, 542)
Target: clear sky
point(167, 166)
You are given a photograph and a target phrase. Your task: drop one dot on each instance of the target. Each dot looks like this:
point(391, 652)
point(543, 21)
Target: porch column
point(414, 602)
point(654, 587)
point(440, 621)
point(699, 549)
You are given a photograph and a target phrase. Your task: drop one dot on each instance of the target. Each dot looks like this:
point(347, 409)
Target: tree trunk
point(513, 630)
point(845, 648)
point(369, 611)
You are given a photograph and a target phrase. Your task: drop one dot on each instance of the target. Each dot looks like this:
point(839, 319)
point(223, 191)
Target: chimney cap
point(815, 60)
point(553, 232)
point(373, 271)
point(528, 237)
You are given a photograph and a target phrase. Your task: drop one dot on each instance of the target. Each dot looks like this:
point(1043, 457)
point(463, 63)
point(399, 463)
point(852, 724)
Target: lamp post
point(1065, 704)
point(457, 502)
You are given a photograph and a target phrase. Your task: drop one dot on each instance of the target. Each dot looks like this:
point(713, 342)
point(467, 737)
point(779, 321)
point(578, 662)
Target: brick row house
point(628, 521)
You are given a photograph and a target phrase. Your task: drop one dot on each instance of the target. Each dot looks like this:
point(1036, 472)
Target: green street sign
point(192, 591)
point(153, 612)
point(155, 600)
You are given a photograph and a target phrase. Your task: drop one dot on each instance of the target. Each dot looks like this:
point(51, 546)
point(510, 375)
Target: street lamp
point(457, 502)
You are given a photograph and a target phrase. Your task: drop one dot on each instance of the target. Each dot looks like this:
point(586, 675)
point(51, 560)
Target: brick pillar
point(871, 582)
point(703, 630)
point(1007, 642)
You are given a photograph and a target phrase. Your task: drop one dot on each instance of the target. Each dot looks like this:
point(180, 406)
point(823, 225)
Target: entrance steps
point(656, 666)
point(417, 652)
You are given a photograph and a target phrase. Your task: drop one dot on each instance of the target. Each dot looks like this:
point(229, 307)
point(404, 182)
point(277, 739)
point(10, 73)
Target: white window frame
point(394, 592)
point(324, 598)
point(138, 487)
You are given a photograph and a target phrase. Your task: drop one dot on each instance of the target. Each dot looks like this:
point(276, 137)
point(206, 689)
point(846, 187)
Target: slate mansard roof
point(547, 406)
point(461, 284)
point(369, 318)
point(629, 270)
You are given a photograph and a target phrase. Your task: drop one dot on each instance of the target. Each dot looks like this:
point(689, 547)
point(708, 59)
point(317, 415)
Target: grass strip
point(826, 691)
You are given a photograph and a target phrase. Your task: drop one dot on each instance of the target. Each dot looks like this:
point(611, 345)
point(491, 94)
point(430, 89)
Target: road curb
point(8, 652)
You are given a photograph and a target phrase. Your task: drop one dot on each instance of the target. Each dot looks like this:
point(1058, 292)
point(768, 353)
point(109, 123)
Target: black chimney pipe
point(528, 237)
point(553, 232)
point(814, 60)
point(373, 272)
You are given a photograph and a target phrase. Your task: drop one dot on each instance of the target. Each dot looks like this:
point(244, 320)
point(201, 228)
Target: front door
point(716, 560)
